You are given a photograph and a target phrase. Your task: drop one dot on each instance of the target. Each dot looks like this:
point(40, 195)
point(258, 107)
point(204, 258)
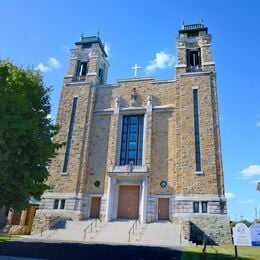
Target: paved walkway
point(64, 250)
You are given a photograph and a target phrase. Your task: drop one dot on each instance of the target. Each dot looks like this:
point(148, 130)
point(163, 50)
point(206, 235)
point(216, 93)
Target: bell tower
point(88, 61)
point(194, 49)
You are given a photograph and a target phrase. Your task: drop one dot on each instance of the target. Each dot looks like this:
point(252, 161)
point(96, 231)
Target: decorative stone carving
point(117, 105)
point(133, 97)
point(149, 103)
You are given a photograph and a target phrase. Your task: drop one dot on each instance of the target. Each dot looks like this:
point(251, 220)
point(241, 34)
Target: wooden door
point(163, 209)
point(16, 217)
point(95, 207)
point(128, 202)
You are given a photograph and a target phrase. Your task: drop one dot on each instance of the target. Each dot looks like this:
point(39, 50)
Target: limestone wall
point(67, 182)
point(160, 154)
point(210, 179)
point(216, 228)
point(98, 153)
point(45, 219)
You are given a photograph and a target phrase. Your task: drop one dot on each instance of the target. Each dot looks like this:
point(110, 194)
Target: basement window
point(196, 207)
point(204, 206)
point(59, 204)
point(56, 204)
point(62, 204)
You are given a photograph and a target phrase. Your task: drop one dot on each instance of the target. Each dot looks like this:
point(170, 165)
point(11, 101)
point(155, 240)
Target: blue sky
point(40, 33)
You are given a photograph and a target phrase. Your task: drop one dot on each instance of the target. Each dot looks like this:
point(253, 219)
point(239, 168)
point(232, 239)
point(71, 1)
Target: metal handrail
point(49, 224)
point(132, 229)
point(95, 221)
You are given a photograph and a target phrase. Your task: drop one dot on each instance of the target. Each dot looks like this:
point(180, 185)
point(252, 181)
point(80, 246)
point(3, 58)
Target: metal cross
point(135, 68)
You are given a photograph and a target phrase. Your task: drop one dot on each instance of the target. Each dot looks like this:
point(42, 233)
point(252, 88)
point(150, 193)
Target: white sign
point(241, 235)
point(255, 234)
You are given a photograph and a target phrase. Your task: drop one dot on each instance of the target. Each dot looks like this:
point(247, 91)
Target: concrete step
point(115, 232)
point(162, 234)
point(68, 230)
point(153, 234)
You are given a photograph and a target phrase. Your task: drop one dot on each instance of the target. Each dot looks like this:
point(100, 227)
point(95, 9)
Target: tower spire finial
point(98, 32)
point(182, 26)
point(81, 36)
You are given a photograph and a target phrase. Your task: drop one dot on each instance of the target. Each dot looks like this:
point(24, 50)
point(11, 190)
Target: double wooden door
point(128, 201)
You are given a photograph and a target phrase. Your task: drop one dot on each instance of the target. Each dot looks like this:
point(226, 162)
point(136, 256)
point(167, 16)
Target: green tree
point(26, 135)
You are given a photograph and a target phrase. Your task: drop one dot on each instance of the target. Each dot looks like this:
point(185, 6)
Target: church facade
point(141, 148)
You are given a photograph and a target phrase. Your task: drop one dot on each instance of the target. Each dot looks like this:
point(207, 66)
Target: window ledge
point(199, 173)
point(129, 169)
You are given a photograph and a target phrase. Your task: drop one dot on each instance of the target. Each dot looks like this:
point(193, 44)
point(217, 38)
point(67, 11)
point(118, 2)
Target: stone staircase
point(162, 234)
point(70, 230)
point(153, 234)
point(115, 232)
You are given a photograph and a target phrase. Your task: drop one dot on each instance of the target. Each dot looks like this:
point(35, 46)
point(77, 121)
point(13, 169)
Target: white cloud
point(258, 124)
point(41, 67)
point(249, 201)
point(229, 195)
point(162, 60)
point(54, 63)
point(251, 171)
point(107, 48)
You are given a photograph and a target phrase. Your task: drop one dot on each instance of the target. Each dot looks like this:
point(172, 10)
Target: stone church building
point(142, 148)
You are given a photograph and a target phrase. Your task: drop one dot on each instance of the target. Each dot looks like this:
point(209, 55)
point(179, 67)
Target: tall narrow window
point(100, 74)
point(196, 130)
point(69, 141)
point(132, 140)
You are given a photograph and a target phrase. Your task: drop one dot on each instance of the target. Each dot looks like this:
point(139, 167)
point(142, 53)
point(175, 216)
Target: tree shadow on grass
point(212, 254)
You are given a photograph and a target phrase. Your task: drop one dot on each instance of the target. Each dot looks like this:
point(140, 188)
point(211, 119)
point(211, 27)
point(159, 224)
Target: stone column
point(148, 132)
point(147, 148)
point(143, 201)
point(10, 217)
point(23, 217)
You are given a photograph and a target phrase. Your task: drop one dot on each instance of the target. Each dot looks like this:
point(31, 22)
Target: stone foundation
point(44, 219)
point(19, 230)
point(216, 228)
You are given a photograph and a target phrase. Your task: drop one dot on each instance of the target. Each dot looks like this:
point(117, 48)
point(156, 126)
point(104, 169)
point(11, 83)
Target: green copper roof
point(34, 201)
point(90, 40)
point(193, 27)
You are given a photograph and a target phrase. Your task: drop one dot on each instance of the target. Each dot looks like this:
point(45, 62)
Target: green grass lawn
point(6, 238)
point(220, 252)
